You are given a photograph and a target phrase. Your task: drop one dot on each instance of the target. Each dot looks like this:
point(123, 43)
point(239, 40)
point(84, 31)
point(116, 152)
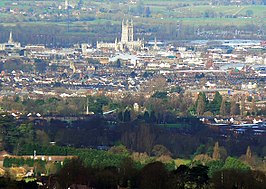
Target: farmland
point(167, 19)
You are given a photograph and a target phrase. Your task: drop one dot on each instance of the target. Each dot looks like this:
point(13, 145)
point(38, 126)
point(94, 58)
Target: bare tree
point(200, 106)
point(216, 152)
point(223, 107)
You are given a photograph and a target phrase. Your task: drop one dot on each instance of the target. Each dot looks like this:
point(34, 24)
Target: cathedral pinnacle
point(10, 40)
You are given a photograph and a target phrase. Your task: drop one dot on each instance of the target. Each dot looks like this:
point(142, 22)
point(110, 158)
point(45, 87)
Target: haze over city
point(139, 94)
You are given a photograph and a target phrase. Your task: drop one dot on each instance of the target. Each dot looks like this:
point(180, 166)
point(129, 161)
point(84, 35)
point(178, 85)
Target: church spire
point(155, 46)
point(10, 40)
point(87, 106)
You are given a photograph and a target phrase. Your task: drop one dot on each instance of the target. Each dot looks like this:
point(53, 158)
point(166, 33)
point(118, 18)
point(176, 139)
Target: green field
point(95, 15)
point(179, 162)
point(197, 14)
point(258, 11)
point(191, 12)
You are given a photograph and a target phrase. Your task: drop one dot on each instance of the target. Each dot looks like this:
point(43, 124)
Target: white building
point(127, 42)
point(10, 45)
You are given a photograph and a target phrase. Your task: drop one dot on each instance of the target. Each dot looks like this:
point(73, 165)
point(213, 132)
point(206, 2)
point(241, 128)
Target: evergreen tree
point(118, 63)
point(153, 117)
point(120, 116)
point(146, 116)
point(127, 115)
point(204, 97)
point(216, 103)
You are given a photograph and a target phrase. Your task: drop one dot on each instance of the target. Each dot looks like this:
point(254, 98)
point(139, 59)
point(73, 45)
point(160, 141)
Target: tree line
point(199, 173)
point(161, 107)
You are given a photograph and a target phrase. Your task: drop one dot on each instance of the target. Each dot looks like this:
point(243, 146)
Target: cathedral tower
point(127, 42)
point(124, 35)
point(127, 32)
point(130, 31)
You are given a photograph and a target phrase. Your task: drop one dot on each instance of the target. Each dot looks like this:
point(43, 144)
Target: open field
point(175, 2)
point(192, 12)
point(151, 17)
point(211, 15)
point(179, 162)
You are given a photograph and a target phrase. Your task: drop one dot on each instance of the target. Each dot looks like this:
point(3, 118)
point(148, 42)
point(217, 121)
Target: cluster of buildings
point(128, 65)
point(10, 44)
point(247, 126)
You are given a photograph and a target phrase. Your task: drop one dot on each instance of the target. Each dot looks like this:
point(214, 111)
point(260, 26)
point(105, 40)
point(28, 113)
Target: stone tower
point(124, 35)
point(127, 32)
point(130, 31)
point(127, 42)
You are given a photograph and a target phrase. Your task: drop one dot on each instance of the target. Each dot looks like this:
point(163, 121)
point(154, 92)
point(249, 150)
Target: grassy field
point(179, 162)
point(219, 21)
point(191, 12)
point(218, 11)
point(163, 14)
point(195, 14)
point(173, 2)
